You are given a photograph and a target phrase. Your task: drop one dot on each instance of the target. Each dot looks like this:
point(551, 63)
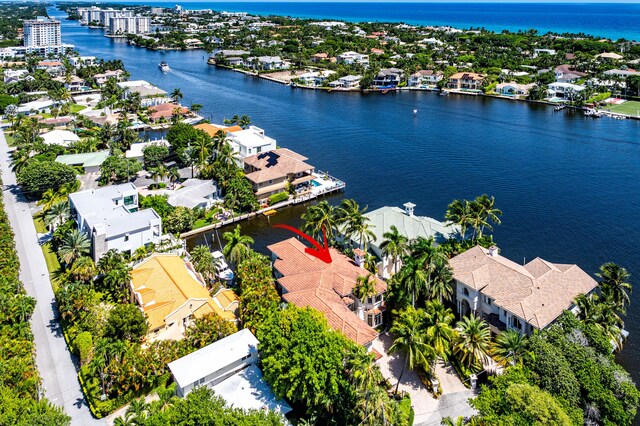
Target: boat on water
point(164, 66)
point(593, 113)
point(223, 272)
point(443, 93)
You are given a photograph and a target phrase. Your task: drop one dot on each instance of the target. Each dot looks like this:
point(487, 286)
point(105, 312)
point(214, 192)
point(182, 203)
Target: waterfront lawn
point(629, 108)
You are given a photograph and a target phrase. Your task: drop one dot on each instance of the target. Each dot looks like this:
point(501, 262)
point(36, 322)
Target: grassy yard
point(9, 139)
point(629, 108)
point(76, 108)
point(50, 257)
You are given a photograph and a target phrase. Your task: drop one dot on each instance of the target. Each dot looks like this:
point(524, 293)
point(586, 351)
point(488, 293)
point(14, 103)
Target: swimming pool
point(315, 183)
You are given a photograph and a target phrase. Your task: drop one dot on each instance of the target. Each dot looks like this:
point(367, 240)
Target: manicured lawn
point(76, 108)
point(49, 257)
point(629, 107)
point(9, 139)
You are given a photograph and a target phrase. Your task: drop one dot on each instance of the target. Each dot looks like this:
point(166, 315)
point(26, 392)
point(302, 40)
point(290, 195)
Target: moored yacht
point(223, 272)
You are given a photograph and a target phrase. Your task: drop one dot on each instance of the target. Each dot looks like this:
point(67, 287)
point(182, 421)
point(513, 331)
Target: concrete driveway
point(428, 411)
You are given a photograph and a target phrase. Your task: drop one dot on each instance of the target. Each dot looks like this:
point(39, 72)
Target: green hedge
point(278, 198)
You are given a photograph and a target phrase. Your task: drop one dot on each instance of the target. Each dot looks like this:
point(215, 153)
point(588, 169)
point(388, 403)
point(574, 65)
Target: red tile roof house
point(512, 296)
point(466, 81)
point(305, 280)
point(157, 112)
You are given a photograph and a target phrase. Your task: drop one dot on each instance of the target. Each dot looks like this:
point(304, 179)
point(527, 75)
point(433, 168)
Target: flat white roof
point(251, 138)
point(211, 358)
point(247, 390)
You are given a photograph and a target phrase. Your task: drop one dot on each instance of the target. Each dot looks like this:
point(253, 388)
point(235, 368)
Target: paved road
point(54, 361)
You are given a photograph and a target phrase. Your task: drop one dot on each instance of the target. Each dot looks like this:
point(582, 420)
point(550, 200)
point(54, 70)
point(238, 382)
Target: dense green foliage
point(277, 198)
point(154, 155)
point(118, 169)
point(38, 176)
point(19, 378)
point(179, 220)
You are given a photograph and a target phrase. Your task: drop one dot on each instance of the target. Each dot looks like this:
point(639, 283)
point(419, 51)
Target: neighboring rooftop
point(212, 129)
point(88, 159)
point(193, 193)
point(538, 291)
point(323, 286)
point(276, 164)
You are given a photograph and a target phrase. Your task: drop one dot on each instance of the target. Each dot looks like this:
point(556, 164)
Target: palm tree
point(395, 245)
point(588, 308)
point(237, 247)
point(83, 269)
point(411, 340)
point(490, 212)
point(203, 147)
point(441, 282)
point(226, 157)
point(458, 214)
point(196, 108)
point(474, 341)
point(75, 244)
point(174, 174)
point(159, 173)
point(413, 278)
point(365, 287)
point(477, 219)
point(615, 284)
point(56, 215)
point(19, 159)
point(319, 217)
point(509, 347)
point(439, 327)
point(204, 262)
point(176, 95)
point(354, 222)
point(244, 121)
point(139, 254)
point(365, 376)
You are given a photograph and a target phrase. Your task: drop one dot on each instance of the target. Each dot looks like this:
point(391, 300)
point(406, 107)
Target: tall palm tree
point(226, 157)
point(204, 262)
point(588, 308)
point(176, 95)
point(441, 282)
point(394, 246)
point(354, 223)
point(56, 215)
point(203, 147)
point(159, 173)
point(615, 284)
point(411, 340)
point(458, 214)
point(75, 244)
point(477, 219)
point(19, 159)
point(237, 247)
point(413, 278)
point(439, 326)
point(365, 287)
point(489, 212)
point(319, 216)
point(509, 347)
point(474, 341)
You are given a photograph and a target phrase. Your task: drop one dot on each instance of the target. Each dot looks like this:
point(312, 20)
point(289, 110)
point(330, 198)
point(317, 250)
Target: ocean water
point(568, 184)
point(608, 20)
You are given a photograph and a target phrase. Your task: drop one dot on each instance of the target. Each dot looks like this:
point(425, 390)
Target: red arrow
point(321, 252)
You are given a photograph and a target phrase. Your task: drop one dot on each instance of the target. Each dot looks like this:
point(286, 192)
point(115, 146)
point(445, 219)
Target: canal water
point(569, 185)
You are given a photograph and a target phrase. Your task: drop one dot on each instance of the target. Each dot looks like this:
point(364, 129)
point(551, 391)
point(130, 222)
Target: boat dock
point(329, 185)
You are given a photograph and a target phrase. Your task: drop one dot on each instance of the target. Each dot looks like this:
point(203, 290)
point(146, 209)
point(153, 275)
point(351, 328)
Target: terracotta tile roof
point(211, 129)
point(165, 110)
point(308, 281)
point(538, 292)
point(275, 164)
point(165, 282)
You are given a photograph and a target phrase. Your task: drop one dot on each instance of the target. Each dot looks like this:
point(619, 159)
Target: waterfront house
point(305, 280)
point(425, 77)
point(72, 84)
point(112, 220)
point(60, 137)
point(407, 224)
point(166, 112)
point(102, 78)
point(194, 193)
point(136, 151)
point(213, 129)
point(36, 107)
point(567, 74)
point(230, 367)
point(272, 171)
point(390, 77)
point(622, 73)
point(90, 162)
point(319, 57)
point(172, 294)
point(513, 89)
point(266, 63)
point(466, 81)
point(512, 296)
point(149, 94)
point(351, 58)
point(315, 78)
point(82, 61)
point(563, 90)
point(249, 142)
point(347, 82)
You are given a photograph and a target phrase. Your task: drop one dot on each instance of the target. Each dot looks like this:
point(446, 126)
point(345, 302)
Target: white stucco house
point(249, 142)
point(564, 90)
point(60, 137)
point(509, 295)
point(230, 367)
point(112, 220)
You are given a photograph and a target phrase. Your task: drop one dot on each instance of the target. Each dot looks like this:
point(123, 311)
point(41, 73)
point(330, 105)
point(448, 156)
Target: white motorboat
point(164, 66)
point(223, 271)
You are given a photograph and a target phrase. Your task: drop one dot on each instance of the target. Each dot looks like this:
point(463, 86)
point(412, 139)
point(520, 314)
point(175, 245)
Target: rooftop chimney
point(493, 251)
point(408, 208)
point(358, 257)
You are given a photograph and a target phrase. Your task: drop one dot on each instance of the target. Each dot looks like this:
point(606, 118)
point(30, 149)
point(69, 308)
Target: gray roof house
point(409, 225)
point(194, 193)
point(111, 219)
